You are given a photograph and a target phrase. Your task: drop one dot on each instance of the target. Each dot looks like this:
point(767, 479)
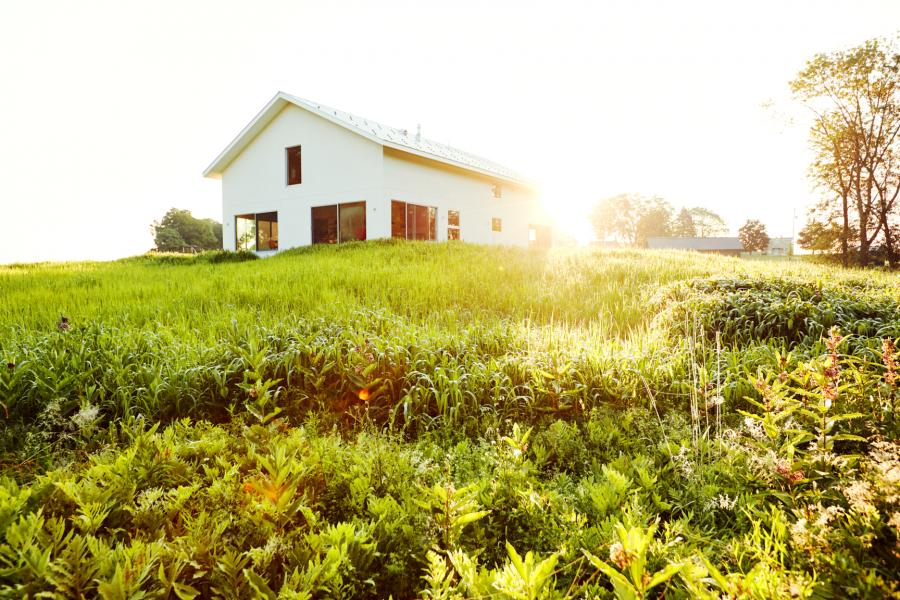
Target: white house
point(302, 173)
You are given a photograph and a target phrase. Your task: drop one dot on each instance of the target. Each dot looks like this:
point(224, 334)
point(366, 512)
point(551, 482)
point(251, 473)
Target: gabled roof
point(389, 137)
point(695, 243)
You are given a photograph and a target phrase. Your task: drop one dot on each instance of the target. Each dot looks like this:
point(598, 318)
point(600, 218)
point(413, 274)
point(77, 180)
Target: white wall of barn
point(428, 183)
point(340, 166)
point(337, 166)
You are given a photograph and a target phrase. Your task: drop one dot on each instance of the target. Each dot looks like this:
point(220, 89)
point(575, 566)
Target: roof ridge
point(402, 137)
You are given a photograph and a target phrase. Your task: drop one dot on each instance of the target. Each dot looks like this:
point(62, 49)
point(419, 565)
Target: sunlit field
point(406, 420)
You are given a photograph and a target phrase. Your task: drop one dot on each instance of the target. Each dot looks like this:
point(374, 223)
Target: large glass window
point(324, 224)
point(353, 221)
point(267, 231)
point(412, 221)
point(398, 219)
point(256, 231)
point(294, 172)
point(339, 223)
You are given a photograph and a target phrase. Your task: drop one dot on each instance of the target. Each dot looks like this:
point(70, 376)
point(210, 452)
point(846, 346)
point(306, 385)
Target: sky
point(110, 111)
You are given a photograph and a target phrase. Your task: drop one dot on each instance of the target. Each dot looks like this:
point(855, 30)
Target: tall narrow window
point(245, 232)
point(452, 224)
point(294, 172)
point(496, 190)
point(398, 219)
point(339, 223)
point(256, 231)
point(496, 224)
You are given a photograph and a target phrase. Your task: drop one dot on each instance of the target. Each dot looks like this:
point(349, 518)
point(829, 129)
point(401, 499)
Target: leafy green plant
point(630, 578)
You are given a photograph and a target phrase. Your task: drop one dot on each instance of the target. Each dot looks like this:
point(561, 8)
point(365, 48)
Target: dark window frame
point(336, 208)
point(453, 228)
point(431, 218)
point(269, 217)
point(289, 154)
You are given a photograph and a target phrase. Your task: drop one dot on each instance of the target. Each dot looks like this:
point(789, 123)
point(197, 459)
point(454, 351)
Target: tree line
point(181, 231)
point(854, 98)
point(632, 218)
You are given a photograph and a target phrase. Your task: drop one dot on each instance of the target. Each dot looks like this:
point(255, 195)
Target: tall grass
point(445, 421)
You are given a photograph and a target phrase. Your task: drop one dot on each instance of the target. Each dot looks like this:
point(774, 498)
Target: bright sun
point(567, 209)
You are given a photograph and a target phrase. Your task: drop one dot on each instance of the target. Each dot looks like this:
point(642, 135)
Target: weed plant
point(393, 419)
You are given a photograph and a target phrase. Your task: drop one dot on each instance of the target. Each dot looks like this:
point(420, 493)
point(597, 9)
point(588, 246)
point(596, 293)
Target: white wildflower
point(683, 461)
point(86, 417)
point(827, 515)
point(859, 495)
point(754, 428)
point(721, 502)
point(800, 535)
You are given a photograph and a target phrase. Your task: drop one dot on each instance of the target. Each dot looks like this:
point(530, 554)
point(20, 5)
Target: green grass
point(384, 418)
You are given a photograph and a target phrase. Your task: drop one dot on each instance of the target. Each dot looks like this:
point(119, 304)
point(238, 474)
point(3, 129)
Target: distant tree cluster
point(854, 97)
point(753, 236)
point(633, 218)
point(180, 231)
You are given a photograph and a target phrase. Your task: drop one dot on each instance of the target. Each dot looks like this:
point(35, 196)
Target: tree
point(683, 225)
point(631, 218)
point(654, 220)
point(706, 222)
point(616, 217)
point(179, 229)
point(854, 96)
point(821, 236)
point(753, 236)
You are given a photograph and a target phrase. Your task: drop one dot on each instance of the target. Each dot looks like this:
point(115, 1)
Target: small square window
point(294, 172)
point(496, 224)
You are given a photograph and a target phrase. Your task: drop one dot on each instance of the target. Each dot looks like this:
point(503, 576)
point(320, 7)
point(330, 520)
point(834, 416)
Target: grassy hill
point(446, 421)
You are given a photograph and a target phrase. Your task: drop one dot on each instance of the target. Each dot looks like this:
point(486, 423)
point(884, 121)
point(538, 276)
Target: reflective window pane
point(324, 224)
point(245, 232)
point(352, 221)
point(267, 231)
point(398, 219)
point(293, 165)
point(421, 223)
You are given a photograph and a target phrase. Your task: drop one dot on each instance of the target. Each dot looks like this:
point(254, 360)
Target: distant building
point(730, 246)
point(780, 246)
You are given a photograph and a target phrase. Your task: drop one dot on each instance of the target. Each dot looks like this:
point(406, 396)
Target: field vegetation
point(414, 420)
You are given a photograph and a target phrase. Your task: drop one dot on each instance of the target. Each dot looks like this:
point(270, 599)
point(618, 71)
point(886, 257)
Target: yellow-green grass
point(433, 285)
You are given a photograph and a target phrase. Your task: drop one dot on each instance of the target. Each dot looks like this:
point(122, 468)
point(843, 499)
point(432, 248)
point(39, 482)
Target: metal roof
point(391, 137)
point(695, 243)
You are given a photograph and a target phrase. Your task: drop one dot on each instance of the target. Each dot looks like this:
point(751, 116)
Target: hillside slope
point(447, 420)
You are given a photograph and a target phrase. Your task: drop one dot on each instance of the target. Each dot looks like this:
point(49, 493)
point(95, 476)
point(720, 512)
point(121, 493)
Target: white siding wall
point(418, 182)
point(337, 166)
point(341, 166)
